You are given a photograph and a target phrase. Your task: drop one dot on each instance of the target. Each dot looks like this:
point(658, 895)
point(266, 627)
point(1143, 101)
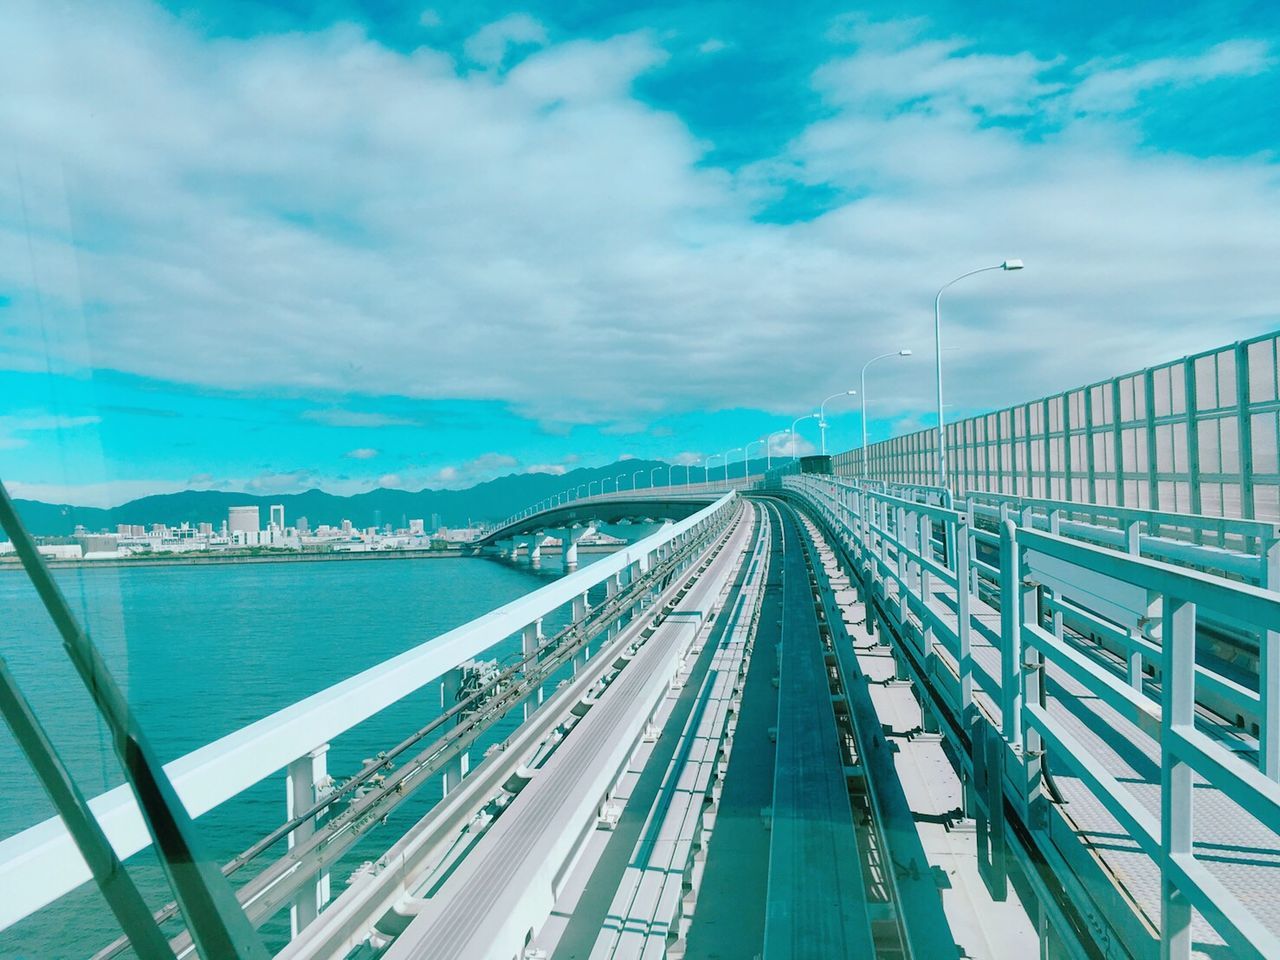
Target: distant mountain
point(485, 502)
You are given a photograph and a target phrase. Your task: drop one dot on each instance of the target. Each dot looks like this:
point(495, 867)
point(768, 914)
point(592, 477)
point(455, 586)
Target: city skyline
point(497, 296)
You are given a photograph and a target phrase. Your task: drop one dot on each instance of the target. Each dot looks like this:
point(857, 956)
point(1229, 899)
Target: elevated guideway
point(816, 904)
point(491, 903)
point(1100, 768)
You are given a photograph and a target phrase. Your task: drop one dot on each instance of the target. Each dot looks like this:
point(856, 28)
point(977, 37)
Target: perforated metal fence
point(1196, 435)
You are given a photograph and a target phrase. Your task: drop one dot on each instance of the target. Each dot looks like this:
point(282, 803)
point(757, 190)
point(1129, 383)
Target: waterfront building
point(243, 520)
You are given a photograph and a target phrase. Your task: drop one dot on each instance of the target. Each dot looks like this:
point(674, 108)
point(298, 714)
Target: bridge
point(832, 711)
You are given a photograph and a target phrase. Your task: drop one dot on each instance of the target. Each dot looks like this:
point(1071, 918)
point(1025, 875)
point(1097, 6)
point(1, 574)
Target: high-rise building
point(206, 529)
point(304, 526)
point(416, 527)
point(277, 516)
point(243, 520)
point(346, 527)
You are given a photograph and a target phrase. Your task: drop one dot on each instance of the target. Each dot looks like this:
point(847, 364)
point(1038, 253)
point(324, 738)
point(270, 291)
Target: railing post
point(971, 568)
point(530, 641)
point(964, 627)
point(450, 687)
point(1010, 634)
point(305, 780)
point(924, 539)
point(1269, 671)
point(1034, 691)
point(1177, 694)
point(900, 534)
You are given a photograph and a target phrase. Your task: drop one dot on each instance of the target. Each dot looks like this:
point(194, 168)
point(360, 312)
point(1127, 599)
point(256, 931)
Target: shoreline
point(214, 560)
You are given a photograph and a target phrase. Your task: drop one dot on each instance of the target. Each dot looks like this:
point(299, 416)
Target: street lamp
point(883, 356)
point(591, 484)
point(633, 478)
point(655, 470)
point(822, 416)
point(706, 466)
point(807, 416)
point(937, 346)
point(726, 461)
point(768, 448)
point(617, 482)
point(578, 494)
point(745, 458)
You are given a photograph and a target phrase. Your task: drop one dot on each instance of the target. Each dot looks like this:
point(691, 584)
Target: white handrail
point(40, 864)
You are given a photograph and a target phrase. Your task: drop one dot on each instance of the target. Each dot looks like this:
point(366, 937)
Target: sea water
point(204, 650)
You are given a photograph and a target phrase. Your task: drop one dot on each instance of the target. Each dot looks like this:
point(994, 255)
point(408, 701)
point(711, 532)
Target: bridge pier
point(571, 537)
point(535, 542)
point(306, 779)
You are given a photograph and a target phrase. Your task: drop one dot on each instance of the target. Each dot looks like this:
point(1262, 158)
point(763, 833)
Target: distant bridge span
point(667, 503)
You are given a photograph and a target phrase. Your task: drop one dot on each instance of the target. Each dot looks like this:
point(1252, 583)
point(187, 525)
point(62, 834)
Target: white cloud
point(362, 453)
point(713, 45)
point(429, 18)
point(489, 44)
point(555, 469)
point(477, 470)
point(1113, 85)
point(288, 481)
point(13, 427)
point(373, 221)
point(110, 493)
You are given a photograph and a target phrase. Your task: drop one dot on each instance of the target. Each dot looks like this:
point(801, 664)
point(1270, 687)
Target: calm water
point(204, 650)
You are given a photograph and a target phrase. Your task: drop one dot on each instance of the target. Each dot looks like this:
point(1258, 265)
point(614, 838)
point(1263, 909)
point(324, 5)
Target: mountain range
point(485, 502)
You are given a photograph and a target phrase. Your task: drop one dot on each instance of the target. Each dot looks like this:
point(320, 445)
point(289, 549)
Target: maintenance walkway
point(1067, 680)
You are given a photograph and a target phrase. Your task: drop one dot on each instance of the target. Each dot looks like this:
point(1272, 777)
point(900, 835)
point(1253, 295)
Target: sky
point(273, 246)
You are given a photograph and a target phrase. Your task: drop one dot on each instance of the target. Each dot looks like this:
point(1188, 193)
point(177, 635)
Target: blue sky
point(269, 246)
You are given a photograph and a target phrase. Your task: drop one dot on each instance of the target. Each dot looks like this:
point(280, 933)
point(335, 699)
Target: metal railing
point(1040, 602)
point(43, 862)
point(1196, 435)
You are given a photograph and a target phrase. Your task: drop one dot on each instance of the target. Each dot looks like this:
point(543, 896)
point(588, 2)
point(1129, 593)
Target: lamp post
point(633, 478)
point(706, 466)
point(745, 458)
point(807, 416)
point(937, 346)
point(883, 356)
point(655, 470)
point(768, 448)
point(822, 416)
point(617, 482)
point(578, 494)
point(593, 483)
point(726, 461)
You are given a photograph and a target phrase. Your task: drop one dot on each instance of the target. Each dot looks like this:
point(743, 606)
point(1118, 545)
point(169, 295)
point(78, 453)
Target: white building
point(243, 520)
point(277, 516)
